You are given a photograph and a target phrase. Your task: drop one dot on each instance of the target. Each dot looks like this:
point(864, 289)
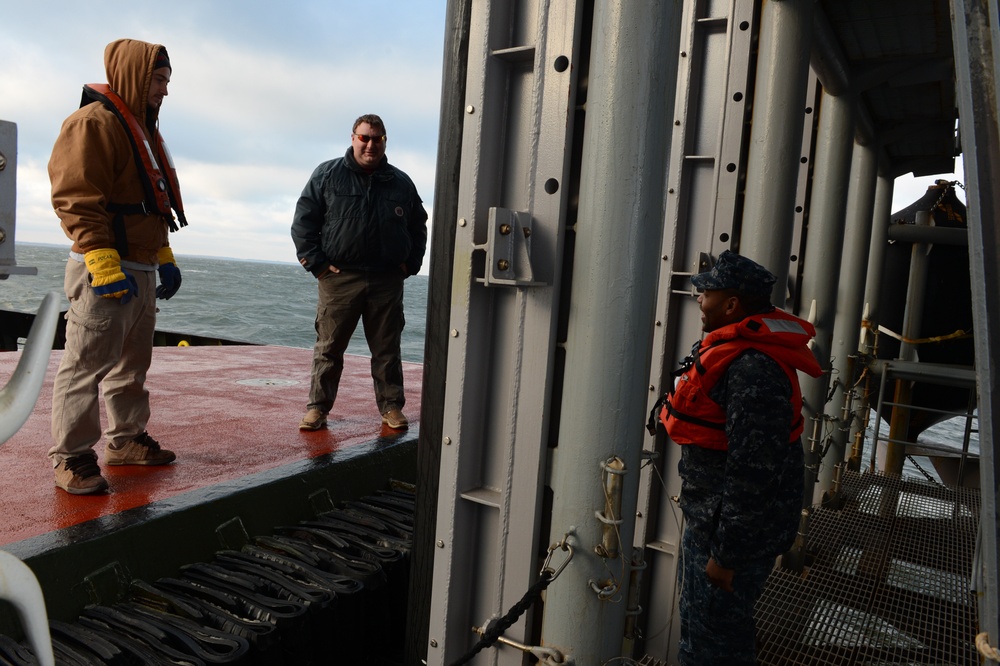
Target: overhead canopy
point(897, 55)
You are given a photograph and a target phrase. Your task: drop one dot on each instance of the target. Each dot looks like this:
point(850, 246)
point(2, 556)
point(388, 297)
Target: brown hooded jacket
point(92, 163)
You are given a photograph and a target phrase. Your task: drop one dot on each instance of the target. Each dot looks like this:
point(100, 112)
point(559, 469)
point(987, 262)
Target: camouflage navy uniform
point(741, 507)
point(742, 478)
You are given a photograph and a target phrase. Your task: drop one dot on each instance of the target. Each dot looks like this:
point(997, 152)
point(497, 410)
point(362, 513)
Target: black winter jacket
point(359, 221)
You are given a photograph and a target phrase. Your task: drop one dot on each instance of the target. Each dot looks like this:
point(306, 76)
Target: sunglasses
point(365, 138)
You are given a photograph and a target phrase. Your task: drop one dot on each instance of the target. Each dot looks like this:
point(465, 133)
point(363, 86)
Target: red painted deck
point(226, 411)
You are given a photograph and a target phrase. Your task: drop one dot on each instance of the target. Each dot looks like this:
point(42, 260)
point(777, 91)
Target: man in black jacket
point(360, 227)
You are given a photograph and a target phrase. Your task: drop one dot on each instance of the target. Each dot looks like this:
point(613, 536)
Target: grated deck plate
point(886, 581)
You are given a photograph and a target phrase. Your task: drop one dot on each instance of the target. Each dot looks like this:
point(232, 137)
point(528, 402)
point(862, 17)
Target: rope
point(919, 341)
point(498, 627)
point(985, 649)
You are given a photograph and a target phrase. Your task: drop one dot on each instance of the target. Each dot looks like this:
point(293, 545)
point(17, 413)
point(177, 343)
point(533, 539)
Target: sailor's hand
point(170, 275)
point(107, 277)
point(718, 576)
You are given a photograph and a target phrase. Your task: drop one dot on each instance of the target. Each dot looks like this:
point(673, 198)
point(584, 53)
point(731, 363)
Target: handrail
point(17, 398)
point(18, 584)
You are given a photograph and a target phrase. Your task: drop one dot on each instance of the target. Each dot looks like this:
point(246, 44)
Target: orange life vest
point(156, 169)
point(691, 417)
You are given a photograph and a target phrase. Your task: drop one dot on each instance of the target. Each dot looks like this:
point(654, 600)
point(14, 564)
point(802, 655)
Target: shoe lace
point(83, 466)
point(144, 439)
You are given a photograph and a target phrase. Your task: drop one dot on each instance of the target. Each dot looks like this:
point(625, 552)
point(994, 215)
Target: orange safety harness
point(691, 417)
point(163, 192)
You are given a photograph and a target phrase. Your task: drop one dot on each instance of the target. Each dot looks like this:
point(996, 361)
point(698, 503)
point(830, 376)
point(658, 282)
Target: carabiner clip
point(565, 547)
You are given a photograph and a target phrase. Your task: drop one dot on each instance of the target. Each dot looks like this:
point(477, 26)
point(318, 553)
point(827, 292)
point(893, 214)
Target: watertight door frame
point(514, 171)
point(702, 208)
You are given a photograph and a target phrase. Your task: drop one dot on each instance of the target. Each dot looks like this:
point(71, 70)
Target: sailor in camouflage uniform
point(736, 408)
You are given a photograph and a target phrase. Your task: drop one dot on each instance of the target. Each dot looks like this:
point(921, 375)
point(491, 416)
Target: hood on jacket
point(128, 64)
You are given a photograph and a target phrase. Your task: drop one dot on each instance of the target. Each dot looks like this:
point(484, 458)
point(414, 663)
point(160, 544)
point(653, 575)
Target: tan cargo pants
point(109, 346)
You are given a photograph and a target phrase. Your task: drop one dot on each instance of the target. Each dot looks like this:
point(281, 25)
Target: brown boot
point(80, 475)
point(140, 450)
point(394, 418)
point(313, 420)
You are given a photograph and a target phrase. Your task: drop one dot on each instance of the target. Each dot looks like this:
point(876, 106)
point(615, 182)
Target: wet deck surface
point(227, 412)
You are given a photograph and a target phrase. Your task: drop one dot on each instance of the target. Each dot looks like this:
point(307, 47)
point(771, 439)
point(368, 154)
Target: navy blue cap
point(162, 59)
point(732, 271)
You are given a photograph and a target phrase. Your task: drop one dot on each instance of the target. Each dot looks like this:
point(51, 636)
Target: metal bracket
point(508, 249)
point(543, 654)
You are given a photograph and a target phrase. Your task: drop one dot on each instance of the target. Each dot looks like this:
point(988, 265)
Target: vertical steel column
point(870, 313)
point(776, 136)
point(440, 258)
point(853, 269)
point(824, 247)
point(514, 194)
point(976, 38)
point(878, 244)
point(618, 233)
point(916, 288)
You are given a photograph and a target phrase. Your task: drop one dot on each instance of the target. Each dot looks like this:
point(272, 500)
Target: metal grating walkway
point(886, 580)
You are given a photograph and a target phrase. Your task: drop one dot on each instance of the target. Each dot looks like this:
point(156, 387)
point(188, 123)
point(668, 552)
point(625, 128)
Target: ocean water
point(249, 301)
point(275, 304)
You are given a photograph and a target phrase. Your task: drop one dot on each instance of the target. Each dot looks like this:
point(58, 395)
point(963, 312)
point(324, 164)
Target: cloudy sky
point(262, 91)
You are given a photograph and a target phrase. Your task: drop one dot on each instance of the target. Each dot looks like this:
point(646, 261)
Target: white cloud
point(261, 93)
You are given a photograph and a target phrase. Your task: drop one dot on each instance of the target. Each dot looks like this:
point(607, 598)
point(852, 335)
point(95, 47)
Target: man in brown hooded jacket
point(113, 188)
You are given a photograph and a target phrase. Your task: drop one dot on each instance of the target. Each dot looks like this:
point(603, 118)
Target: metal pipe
point(938, 373)
point(878, 245)
point(900, 422)
point(910, 233)
point(824, 249)
point(776, 133)
point(795, 559)
point(868, 341)
point(849, 296)
point(611, 305)
point(878, 422)
point(966, 437)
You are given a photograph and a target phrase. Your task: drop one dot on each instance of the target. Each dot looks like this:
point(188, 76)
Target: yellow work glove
point(107, 277)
